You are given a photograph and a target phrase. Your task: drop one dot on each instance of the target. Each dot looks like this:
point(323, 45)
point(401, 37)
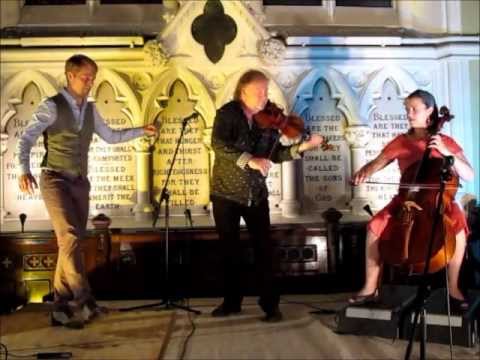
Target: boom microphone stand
point(423, 291)
point(167, 302)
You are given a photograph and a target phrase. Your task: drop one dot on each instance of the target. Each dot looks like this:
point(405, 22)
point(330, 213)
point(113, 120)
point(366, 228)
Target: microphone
point(155, 213)
point(22, 218)
point(54, 355)
point(190, 117)
point(368, 210)
point(188, 214)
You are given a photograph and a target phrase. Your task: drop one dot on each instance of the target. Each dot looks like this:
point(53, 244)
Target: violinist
point(408, 149)
point(243, 157)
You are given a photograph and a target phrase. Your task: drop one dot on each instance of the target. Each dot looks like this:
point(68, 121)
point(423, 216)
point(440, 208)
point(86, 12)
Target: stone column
point(358, 137)
point(332, 217)
point(3, 150)
point(143, 208)
point(290, 205)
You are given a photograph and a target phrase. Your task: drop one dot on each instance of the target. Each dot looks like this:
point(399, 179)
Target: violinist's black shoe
point(222, 310)
point(273, 316)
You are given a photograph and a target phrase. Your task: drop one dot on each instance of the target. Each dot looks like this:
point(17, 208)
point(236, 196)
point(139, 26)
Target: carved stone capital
point(287, 79)
point(357, 78)
point(144, 144)
point(141, 81)
point(272, 51)
point(357, 136)
point(155, 53)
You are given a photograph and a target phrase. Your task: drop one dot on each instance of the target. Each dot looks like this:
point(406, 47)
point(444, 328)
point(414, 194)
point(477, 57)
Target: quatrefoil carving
point(214, 30)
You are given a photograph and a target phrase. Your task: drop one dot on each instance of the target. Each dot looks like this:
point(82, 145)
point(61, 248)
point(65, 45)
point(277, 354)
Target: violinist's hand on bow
point(261, 164)
point(313, 142)
point(436, 142)
point(150, 130)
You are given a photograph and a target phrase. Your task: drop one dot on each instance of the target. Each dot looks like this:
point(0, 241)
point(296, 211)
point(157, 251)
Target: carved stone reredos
point(243, 51)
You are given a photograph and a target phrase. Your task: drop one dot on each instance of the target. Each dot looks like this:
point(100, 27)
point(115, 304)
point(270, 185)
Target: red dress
point(408, 151)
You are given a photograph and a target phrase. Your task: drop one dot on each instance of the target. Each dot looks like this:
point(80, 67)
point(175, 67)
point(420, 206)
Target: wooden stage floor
point(167, 334)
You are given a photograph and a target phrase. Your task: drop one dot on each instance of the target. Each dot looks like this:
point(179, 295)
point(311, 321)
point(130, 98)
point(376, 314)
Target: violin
point(291, 126)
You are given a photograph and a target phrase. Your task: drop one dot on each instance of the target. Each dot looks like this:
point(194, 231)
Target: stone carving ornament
point(214, 30)
point(287, 79)
point(357, 78)
point(155, 53)
point(358, 136)
point(272, 50)
point(141, 81)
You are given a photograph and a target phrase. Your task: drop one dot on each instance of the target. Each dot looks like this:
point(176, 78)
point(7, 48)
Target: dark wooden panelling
point(131, 263)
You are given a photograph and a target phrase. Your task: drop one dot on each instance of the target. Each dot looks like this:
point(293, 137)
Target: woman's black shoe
point(364, 299)
point(458, 305)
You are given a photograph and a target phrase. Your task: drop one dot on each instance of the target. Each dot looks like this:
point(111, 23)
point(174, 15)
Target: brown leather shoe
point(66, 317)
point(90, 310)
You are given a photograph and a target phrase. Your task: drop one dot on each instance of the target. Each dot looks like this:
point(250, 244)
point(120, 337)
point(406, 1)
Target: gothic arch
point(12, 92)
point(340, 90)
point(404, 82)
point(123, 93)
point(161, 85)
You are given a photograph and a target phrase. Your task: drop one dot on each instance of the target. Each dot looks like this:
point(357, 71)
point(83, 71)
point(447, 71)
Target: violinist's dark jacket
point(235, 142)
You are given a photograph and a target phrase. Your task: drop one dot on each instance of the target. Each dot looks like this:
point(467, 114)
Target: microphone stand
point(167, 302)
point(423, 291)
point(22, 218)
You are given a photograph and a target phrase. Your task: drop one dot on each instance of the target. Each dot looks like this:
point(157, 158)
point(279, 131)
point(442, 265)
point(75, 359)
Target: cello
point(422, 240)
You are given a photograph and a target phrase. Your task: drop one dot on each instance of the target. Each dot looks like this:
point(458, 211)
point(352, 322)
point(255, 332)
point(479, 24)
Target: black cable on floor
point(4, 354)
point(189, 336)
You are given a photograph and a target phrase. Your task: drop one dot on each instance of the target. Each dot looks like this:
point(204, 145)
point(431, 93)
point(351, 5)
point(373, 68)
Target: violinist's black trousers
point(227, 214)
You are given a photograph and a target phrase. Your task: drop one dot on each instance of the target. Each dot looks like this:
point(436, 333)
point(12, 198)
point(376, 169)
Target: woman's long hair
point(437, 119)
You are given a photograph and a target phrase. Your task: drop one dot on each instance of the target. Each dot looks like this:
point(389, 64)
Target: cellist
point(407, 149)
